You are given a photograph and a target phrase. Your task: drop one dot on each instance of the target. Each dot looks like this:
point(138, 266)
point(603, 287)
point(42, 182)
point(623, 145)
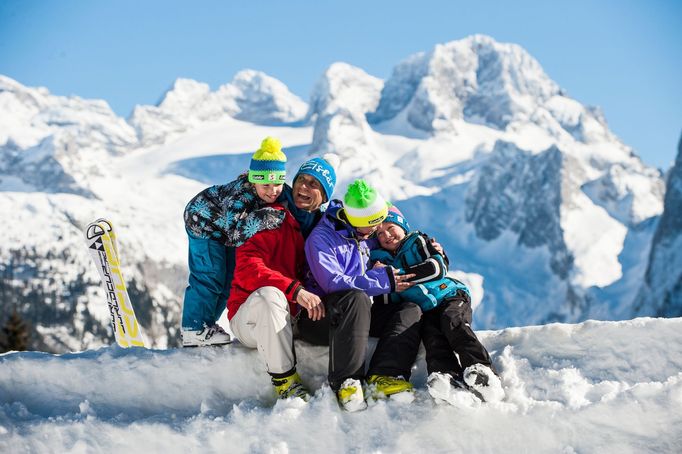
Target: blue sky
point(624, 56)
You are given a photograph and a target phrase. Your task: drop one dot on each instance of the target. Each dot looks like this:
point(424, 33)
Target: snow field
point(590, 387)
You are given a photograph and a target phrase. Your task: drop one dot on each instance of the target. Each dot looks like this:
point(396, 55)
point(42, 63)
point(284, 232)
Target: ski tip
point(98, 228)
point(93, 231)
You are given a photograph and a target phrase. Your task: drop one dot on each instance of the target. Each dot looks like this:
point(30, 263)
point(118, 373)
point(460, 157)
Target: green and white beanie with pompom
point(363, 205)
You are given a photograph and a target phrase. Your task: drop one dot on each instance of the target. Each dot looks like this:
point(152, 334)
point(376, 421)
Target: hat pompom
point(270, 150)
point(333, 160)
point(359, 194)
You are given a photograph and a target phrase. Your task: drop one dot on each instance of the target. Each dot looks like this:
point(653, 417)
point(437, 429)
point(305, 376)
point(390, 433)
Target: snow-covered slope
point(592, 387)
point(532, 196)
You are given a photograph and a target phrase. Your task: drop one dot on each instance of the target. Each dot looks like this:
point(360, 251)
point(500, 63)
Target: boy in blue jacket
point(455, 358)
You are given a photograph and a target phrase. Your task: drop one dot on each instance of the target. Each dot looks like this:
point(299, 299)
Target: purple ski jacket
point(338, 260)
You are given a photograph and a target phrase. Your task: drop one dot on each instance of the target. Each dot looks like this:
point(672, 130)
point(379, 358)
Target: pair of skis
point(101, 241)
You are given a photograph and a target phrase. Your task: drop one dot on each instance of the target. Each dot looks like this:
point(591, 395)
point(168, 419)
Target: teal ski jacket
point(416, 255)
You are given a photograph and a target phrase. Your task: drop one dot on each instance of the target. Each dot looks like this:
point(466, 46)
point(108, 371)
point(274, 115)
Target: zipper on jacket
point(362, 261)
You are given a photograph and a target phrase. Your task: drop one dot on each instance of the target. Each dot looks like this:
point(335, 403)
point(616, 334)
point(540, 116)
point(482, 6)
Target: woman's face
point(308, 193)
point(268, 192)
point(390, 235)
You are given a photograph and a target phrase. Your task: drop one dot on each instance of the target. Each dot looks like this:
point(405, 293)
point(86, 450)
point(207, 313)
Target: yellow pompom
point(270, 150)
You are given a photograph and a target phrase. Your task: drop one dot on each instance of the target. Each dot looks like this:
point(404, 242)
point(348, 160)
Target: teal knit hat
point(396, 217)
point(363, 205)
point(268, 164)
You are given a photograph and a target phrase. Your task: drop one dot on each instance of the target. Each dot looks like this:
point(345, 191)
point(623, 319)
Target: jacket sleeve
point(433, 266)
point(252, 272)
point(433, 250)
point(330, 275)
point(431, 269)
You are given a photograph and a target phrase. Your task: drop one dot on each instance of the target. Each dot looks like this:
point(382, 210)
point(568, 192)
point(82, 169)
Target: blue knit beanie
point(323, 170)
point(397, 218)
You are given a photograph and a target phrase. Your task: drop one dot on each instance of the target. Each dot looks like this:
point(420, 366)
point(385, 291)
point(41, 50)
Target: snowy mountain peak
point(476, 79)
point(52, 143)
point(184, 94)
point(338, 105)
point(251, 96)
point(264, 99)
point(36, 114)
point(343, 86)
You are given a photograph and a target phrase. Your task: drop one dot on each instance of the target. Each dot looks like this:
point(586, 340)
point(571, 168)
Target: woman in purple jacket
point(337, 252)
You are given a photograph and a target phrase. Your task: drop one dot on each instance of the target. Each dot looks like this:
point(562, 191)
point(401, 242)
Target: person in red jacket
point(264, 295)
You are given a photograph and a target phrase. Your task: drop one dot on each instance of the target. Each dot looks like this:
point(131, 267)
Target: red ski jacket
point(269, 258)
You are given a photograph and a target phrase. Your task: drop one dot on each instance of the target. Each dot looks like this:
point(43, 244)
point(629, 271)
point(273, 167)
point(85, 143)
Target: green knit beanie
point(363, 205)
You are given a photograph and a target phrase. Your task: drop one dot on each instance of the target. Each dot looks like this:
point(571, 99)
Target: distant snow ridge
point(264, 100)
point(53, 143)
point(482, 81)
point(251, 96)
point(345, 86)
point(36, 114)
point(477, 79)
point(630, 195)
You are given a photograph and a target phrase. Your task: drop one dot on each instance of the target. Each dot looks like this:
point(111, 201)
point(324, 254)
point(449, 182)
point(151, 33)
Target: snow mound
point(590, 387)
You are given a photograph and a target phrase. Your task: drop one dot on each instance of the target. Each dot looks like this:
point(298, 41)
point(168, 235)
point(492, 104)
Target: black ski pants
point(350, 320)
point(450, 343)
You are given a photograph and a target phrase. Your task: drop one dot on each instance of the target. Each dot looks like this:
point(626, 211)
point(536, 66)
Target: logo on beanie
point(319, 170)
point(322, 171)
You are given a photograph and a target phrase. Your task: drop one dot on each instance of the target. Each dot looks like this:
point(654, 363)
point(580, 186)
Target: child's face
point(390, 235)
point(268, 192)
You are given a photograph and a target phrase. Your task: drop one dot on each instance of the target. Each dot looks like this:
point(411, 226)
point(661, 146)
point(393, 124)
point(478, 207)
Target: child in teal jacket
point(416, 255)
point(455, 358)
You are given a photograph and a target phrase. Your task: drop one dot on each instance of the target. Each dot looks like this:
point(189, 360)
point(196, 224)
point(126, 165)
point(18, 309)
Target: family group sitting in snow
point(334, 277)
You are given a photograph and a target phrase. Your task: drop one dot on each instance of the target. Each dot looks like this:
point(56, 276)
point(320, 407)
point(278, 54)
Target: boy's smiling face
point(390, 235)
